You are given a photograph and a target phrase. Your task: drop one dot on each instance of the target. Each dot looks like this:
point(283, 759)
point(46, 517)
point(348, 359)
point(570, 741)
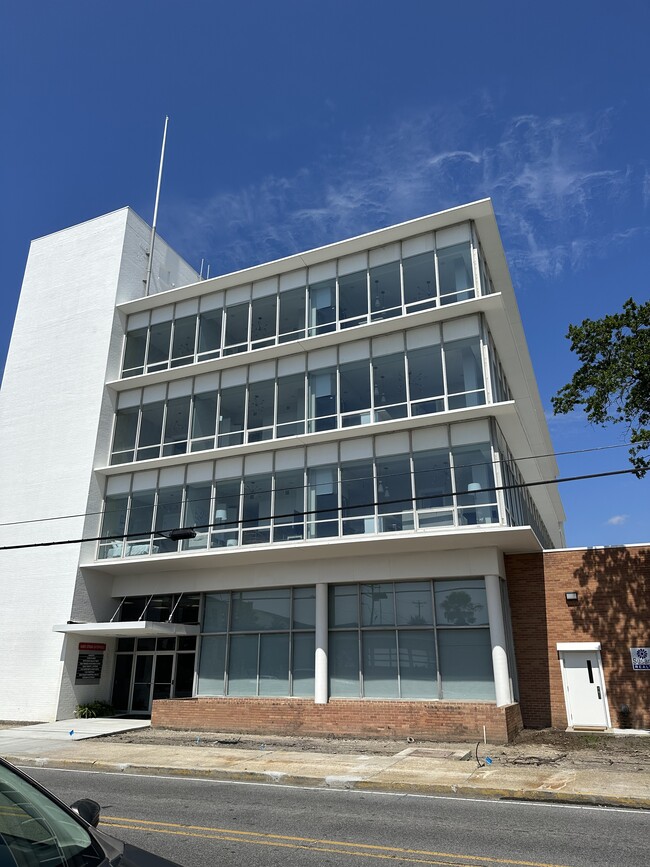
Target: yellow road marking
point(317, 845)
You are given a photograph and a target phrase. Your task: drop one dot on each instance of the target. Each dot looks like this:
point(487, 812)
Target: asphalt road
point(201, 823)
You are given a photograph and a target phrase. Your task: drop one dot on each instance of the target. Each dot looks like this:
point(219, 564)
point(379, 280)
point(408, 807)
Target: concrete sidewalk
point(412, 770)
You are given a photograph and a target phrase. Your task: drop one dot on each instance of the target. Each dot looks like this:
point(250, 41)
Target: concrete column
point(498, 640)
point(320, 667)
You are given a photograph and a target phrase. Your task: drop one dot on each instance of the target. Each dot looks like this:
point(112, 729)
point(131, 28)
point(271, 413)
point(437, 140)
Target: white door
point(584, 689)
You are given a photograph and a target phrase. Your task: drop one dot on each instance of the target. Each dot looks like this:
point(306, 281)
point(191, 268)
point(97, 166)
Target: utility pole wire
point(225, 525)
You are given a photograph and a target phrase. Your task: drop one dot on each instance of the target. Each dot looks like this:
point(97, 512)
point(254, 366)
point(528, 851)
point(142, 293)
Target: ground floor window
point(403, 640)
point(411, 640)
point(258, 643)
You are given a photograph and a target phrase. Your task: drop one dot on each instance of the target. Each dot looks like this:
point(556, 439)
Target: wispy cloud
point(617, 520)
point(545, 175)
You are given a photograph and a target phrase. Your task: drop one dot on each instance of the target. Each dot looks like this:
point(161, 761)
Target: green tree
point(613, 383)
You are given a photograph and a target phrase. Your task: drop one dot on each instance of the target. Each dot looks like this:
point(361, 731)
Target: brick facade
point(613, 607)
point(386, 719)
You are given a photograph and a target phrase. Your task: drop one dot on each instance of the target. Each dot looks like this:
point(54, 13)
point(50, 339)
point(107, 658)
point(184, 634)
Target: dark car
point(38, 830)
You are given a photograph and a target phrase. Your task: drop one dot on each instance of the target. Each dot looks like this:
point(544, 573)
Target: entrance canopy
point(128, 629)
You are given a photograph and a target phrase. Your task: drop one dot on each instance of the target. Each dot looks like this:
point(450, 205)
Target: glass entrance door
point(152, 668)
point(152, 679)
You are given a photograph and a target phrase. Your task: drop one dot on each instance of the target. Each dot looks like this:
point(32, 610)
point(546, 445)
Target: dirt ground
point(546, 747)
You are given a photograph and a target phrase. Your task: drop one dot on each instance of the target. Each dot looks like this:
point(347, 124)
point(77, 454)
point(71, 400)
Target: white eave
point(128, 629)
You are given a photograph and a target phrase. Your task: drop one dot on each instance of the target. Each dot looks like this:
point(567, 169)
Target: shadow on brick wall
point(614, 608)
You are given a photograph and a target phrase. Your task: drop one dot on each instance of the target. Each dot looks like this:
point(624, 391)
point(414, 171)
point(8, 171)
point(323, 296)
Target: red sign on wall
point(89, 645)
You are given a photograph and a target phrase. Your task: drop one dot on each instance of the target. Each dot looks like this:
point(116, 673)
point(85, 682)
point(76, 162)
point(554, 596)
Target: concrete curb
point(278, 778)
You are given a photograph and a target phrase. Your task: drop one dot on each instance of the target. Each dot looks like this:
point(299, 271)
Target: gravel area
point(546, 747)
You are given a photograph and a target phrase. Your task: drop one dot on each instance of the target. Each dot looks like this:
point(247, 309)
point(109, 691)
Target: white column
point(498, 640)
point(320, 667)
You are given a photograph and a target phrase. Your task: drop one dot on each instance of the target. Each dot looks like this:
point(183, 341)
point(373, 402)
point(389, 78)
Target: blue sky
point(297, 123)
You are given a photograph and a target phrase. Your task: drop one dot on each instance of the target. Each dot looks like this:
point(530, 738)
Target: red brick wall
point(387, 719)
point(613, 607)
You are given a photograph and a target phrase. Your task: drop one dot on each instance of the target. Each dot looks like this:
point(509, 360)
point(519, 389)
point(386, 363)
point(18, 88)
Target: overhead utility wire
point(231, 524)
point(463, 466)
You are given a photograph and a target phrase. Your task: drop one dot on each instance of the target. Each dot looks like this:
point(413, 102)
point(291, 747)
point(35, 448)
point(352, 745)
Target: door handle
point(598, 692)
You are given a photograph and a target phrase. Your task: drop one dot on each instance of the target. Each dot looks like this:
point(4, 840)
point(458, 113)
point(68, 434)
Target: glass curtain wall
point(439, 273)
point(420, 488)
point(432, 371)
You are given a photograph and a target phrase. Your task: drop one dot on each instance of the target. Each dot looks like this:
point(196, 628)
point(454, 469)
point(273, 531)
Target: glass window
point(261, 610)
point(377, 605)
point(419, 282)
point(389, 386)
point(343, 605)
point(256, 516)
point(466, 664)
point(322, 307)
point(150, 431)
point(291, 405)
point(380, 664)
point(204, 420)
point(461, 603)
point(242, 665)
point(212, 665)
point(168, 517)
point(288, 513)
point(158, 354)
point(292, 315)
point(475, 484)
point(236, 328)
point(215, 612)
point(426, 384)
point(464, 373)
point(113, 525)
point(274, 664)
point(357, 497)
point(197, 514)
point(226, 513)
point(176, 426)
point(35, 830)
point(304, 608)
point(186, 610)
point(304, 652)
point(126, 426)
point(231, 415)
point(385, 291)
point(394, 494)
point(183, 341)
point(417, 664)
point(261, 400)
point(455, 273)
point(432, 479)
point(263, 321)
point(322, 400)
point(210, 334)
point(414, 605)
point(355, 393)
point(343, 664)
point(353, 299)
point(140, 515)
point(136, 344)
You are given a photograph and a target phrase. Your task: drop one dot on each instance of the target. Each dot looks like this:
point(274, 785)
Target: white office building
point(290, 487)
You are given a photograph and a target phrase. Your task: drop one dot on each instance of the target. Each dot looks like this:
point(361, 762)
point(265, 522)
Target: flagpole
point(155, 210)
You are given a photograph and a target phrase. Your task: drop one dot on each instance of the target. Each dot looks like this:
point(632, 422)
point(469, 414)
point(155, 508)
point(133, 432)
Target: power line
point(463, 466)
point(231, 525)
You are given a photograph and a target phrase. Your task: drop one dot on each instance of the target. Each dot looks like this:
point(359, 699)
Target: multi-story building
point(287, 490)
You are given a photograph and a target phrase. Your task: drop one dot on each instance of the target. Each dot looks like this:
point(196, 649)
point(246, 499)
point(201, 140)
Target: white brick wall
point(55, 420)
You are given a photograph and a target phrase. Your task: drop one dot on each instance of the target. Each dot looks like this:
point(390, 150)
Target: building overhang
point(507, 540)
point(128, 629)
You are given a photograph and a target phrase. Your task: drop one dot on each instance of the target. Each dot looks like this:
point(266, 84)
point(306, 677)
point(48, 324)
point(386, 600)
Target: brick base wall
point(385, 719)
point(613, 607)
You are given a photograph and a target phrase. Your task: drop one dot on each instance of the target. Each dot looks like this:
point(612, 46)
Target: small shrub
point(94, 709)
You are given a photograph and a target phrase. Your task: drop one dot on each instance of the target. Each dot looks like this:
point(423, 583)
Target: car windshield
point(35, 831)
